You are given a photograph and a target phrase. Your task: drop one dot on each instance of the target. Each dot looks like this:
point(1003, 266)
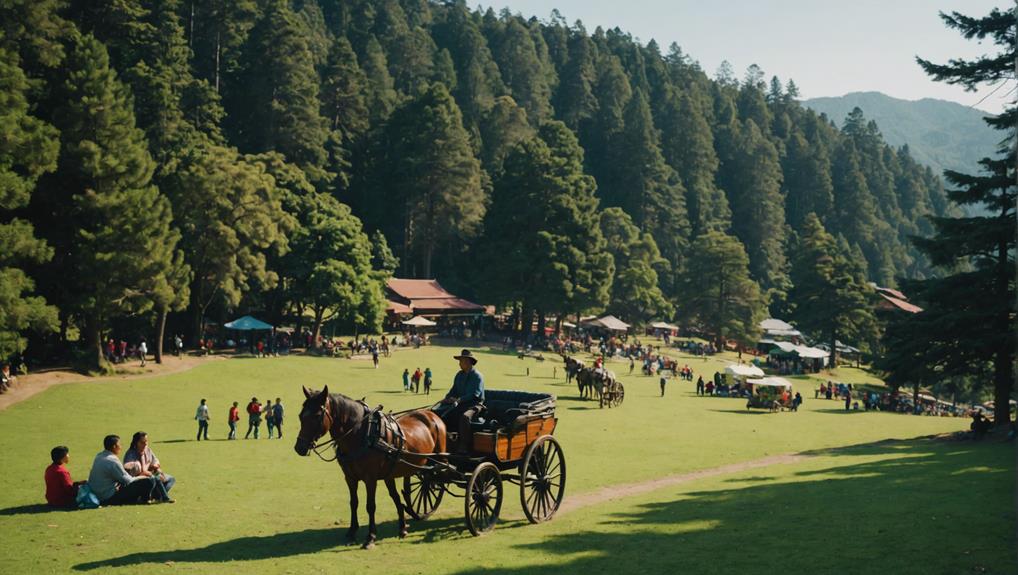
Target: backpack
point(85, 498)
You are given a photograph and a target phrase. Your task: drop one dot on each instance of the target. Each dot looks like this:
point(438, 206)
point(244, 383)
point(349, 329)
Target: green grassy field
point(860, 503)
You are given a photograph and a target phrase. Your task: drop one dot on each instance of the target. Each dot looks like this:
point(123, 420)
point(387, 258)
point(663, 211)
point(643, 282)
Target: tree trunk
point(1003, 360)
point(298, 329)
point(317, 330)
point(160, 334)
point(834, 349)
point(541, 322)
point(93, 345)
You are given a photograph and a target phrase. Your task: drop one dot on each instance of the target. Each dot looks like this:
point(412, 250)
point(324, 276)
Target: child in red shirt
point(60, 490)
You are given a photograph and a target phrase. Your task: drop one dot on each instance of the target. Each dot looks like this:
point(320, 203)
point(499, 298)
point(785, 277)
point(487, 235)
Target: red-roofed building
point(428, 298)
point(894, 300)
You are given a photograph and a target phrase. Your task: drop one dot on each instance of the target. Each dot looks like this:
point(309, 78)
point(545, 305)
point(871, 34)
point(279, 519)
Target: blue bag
point(85, 498)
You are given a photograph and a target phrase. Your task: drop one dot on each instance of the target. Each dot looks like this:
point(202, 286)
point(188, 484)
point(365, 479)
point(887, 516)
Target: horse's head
point(315, 419)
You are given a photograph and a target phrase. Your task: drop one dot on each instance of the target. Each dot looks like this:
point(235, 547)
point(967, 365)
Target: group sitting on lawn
point(138, 479)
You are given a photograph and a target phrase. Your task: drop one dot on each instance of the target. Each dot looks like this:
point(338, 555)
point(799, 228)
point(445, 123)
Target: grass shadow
point(281, 545)
point(34, 509)
point(761, 525)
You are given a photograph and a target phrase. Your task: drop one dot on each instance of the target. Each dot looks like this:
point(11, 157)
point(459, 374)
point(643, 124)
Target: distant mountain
point(940, 134)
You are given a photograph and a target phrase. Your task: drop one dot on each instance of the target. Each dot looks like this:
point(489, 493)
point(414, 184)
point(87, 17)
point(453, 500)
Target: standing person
point(664, 380)
point(277, 416)
point(60, 490)
point(464, 400)
point(699, 386)
point(415, 381)
point(178, 345)
point(427, 381)
point(374, 355)
point(254, 417)
point(142, 351)
point(406, 379)
point(122, 347)
point(270, 419)
point(848, 399)
point(234, 417)
point(632, 365)
point(112, 484)
point(202, 416)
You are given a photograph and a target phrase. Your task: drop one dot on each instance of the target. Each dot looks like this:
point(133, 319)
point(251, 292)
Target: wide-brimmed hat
point(466, 354)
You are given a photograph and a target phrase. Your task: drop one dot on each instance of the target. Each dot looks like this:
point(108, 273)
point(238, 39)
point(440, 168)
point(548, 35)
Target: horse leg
point(390, 484)
point(371, 486)
point(351, 533)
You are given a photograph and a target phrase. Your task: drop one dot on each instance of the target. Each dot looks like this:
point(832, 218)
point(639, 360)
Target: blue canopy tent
point(248, 323)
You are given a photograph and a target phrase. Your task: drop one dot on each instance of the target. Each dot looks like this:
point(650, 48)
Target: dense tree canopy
point(248, 150)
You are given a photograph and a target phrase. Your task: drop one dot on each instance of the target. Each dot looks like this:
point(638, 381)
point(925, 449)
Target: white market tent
point(663, 325)
point(418, 321)
point(776, 327)
point(744, 370)
point(609, 322)
point(802, 351)
point(771, 382)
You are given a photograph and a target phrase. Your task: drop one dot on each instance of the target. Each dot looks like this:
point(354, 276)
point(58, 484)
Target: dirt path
point(33, 383)
point(617, 492)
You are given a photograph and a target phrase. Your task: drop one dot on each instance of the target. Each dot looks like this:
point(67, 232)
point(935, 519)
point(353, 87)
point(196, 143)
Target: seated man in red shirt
point(60, 490)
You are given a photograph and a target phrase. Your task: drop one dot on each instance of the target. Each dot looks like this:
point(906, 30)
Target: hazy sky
point(828, 47)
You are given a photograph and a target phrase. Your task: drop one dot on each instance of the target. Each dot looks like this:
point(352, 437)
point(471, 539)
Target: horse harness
point(381, 433)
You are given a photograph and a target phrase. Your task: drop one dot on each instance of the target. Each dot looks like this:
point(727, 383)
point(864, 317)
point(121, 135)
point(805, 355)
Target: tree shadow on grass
point(918, 507)
point(281, 545)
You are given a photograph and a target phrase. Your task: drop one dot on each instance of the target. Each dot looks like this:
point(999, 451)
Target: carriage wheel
point(422, 493)
point(483, 500)
point(542, 479)
point(620, 394)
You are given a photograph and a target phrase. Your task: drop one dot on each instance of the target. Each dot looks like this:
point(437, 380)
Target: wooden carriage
point(512, 441)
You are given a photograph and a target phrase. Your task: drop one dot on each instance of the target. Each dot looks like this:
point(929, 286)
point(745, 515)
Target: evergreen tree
point(503, 127)
point(806, 184)
point(575, 100)
point(717, 294)
point(280, 111)
point(522, 71)
point(216, 32)
point(478, 80)
point(381, 96)
point(636, 294)
point(28, 149)
point(830, 296)
point(687, 144)
point(542, 229)
point(645, 187)
point(109, 224)
point(344, 105)
point(427, 171)
point(382, 258)
point(969, 318)
point(751, 175)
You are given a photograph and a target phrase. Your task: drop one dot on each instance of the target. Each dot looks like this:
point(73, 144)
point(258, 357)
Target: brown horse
point(346, 421)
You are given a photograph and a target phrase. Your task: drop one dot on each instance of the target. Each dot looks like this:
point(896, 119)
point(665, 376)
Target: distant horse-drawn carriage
point(595, 382)
point(512, 441)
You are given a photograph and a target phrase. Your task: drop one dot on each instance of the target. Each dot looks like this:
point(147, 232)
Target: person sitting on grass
point(111, 483)
point(60, 490)
point(980, 425)
point(139, 458)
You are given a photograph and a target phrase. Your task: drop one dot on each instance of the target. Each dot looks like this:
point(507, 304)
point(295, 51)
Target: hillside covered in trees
point(183, 159)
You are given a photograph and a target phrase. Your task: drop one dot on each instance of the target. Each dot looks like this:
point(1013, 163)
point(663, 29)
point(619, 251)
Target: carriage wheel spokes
point(542, 479)
point(422, 493)
point(483, 500)
point(620, 394)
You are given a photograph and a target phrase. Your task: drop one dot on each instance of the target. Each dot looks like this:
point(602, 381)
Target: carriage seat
point(503, 408)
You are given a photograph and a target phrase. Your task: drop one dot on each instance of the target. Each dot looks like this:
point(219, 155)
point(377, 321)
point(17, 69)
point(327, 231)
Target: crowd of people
point(138, 478)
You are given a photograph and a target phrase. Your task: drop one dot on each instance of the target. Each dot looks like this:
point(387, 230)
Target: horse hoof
point(369, 544)
point(403, 534)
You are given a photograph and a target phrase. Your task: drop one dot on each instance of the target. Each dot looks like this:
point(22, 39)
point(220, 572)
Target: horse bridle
point(318, 448)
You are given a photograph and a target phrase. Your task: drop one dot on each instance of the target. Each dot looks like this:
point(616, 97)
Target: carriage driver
point(464, 400)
